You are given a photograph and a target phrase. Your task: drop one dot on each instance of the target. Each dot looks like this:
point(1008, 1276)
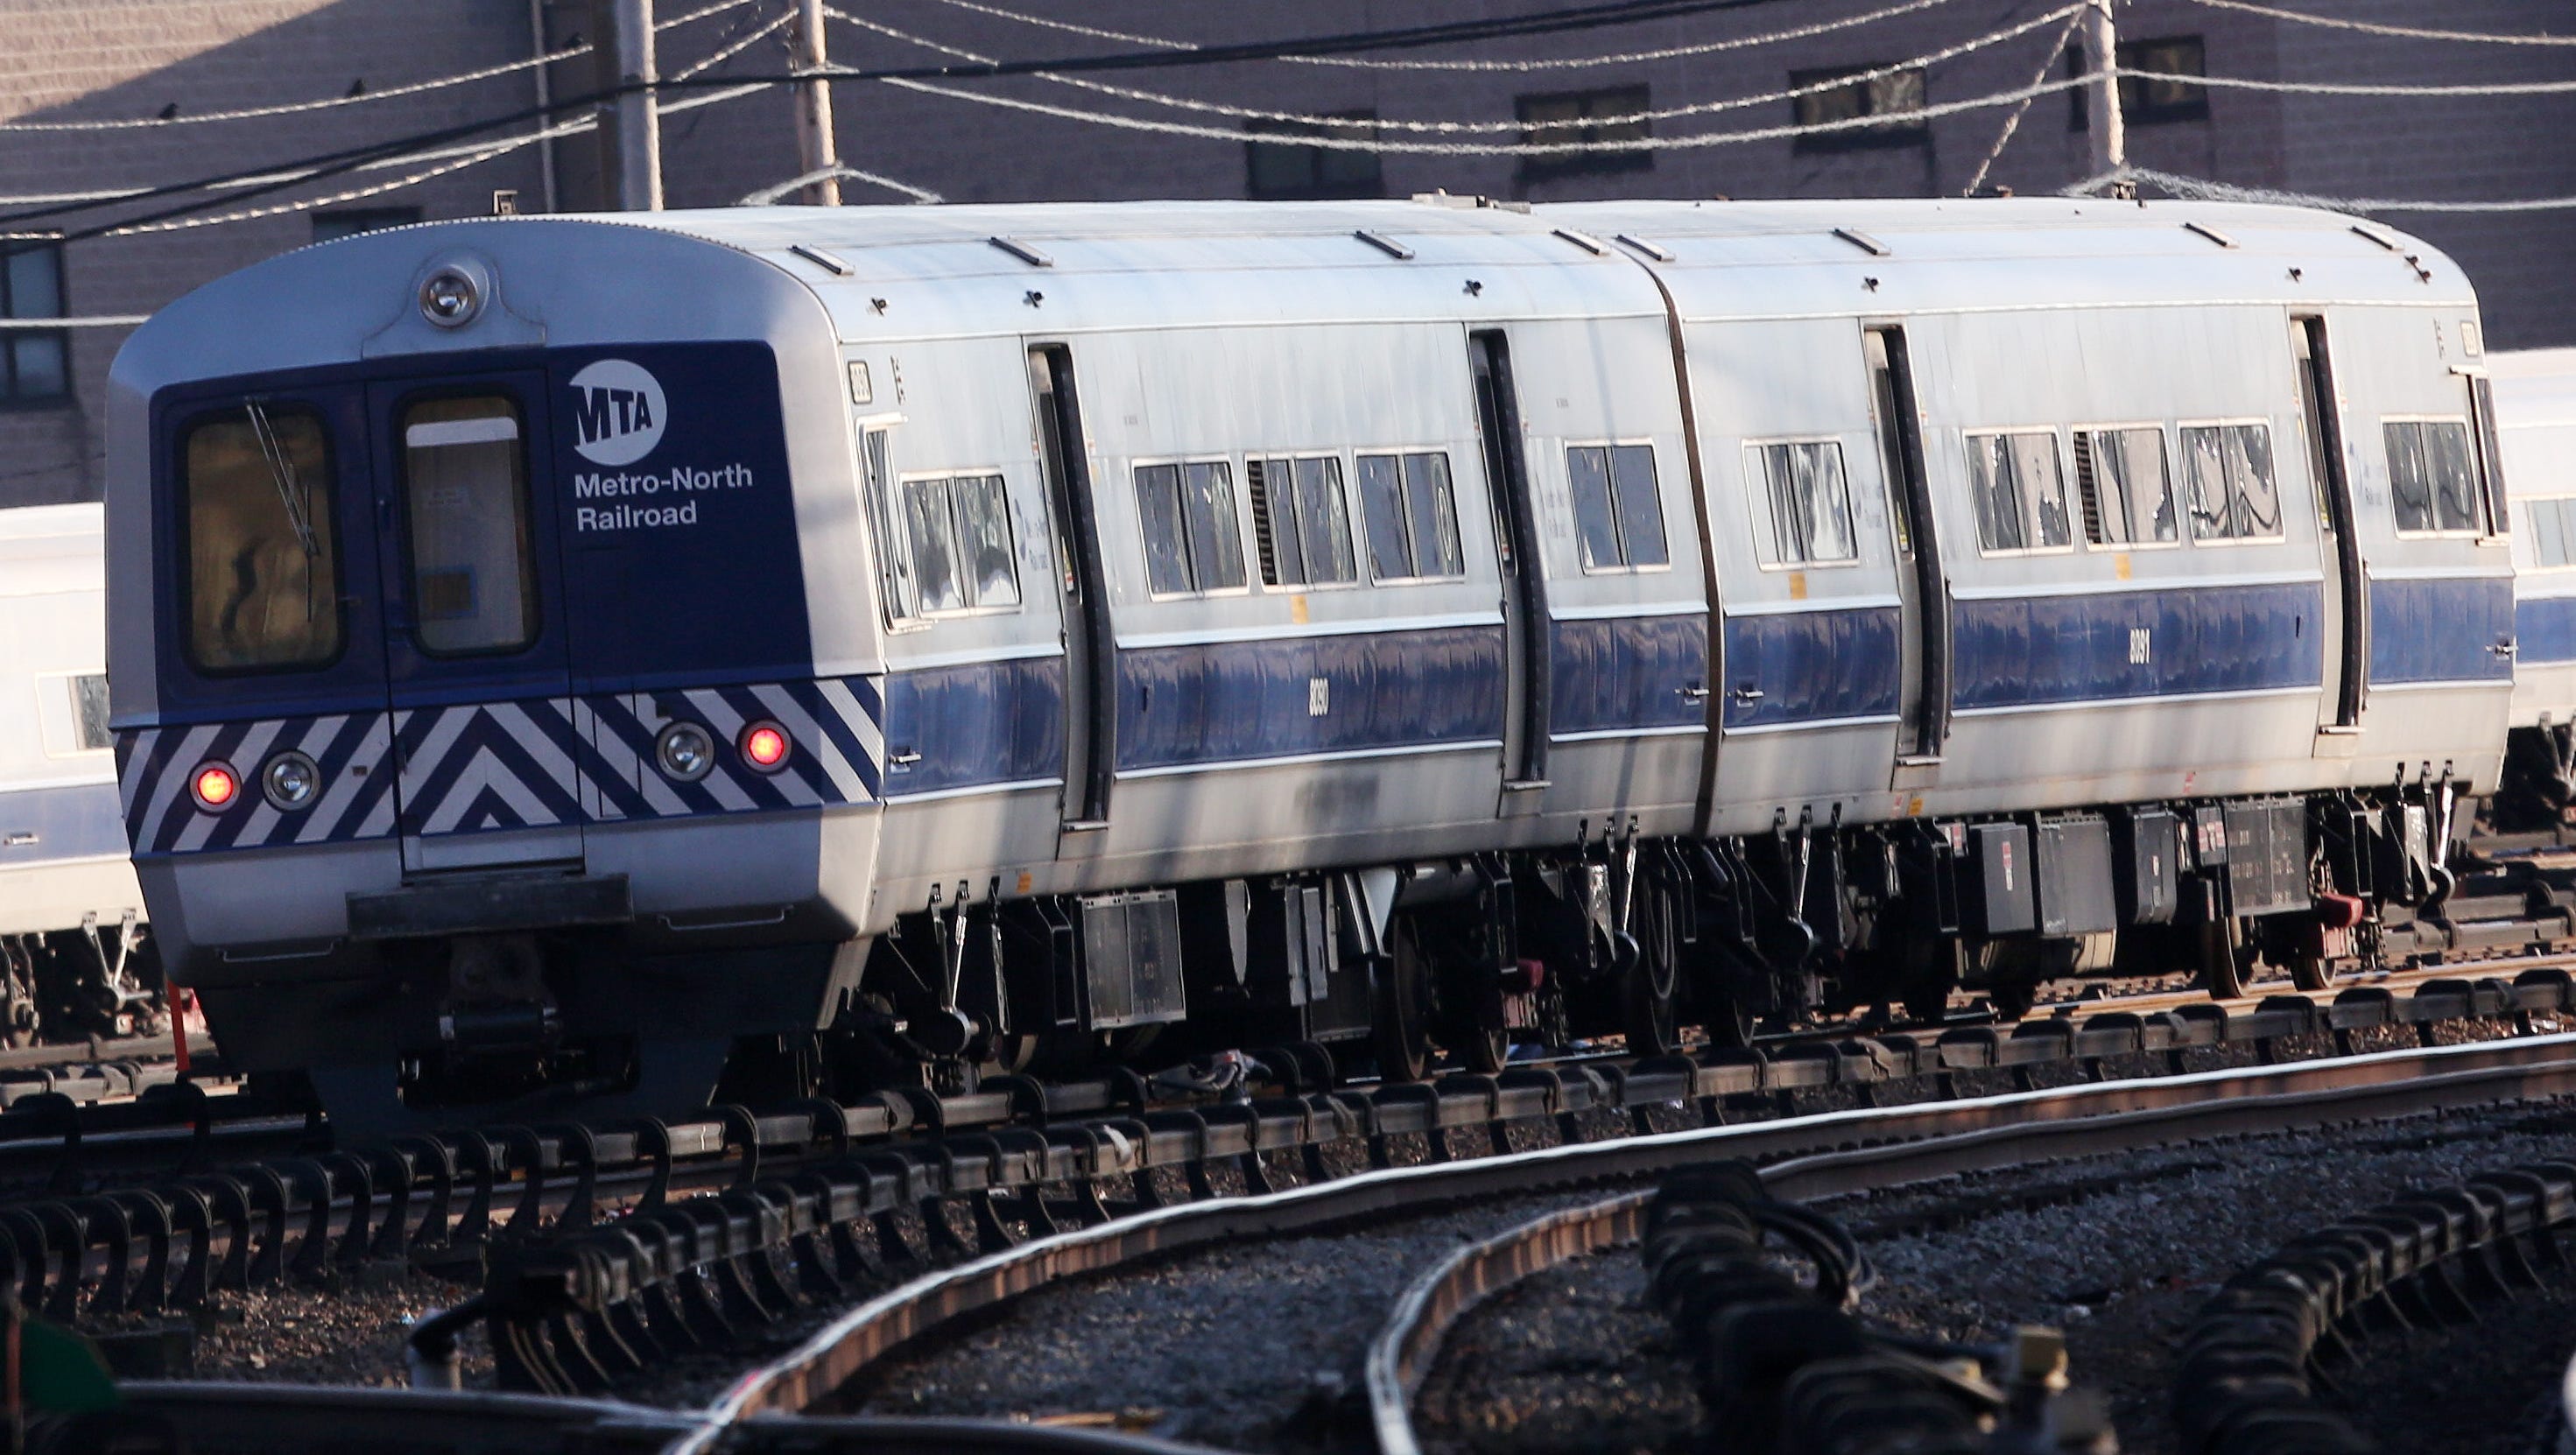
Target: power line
point(2368, 27)
point(413, 88)
point(2012, 123)
point(1737, 103)
point(2201, 189)
point(1560, 63)
point(1688, 141)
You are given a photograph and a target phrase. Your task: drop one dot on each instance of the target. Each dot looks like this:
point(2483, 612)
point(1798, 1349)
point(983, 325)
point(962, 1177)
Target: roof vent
point(2374, 235)
point(823, 260)
point(1584, 240)
point(1384, 244)
point(1022, 251)
point(1863, 241)
point(2211, 233)
point(1659, 254)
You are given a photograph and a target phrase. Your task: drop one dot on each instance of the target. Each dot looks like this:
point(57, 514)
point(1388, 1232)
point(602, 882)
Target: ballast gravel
point(2119, 1253)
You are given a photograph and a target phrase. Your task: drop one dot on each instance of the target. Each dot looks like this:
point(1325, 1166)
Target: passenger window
point(1412, 517)
point(945, 542)
point(2432, 480)
point(2549, 537)
point(934, 558)
point(1301, 521)
point(2126, 487)
point(992, 568)
point(2019, 490)
point(263, 565)
point(1810, 504)
point(465, 492)
point(2228, 482)
point(1618, 514)
point(1193, 536)
point(89, 713)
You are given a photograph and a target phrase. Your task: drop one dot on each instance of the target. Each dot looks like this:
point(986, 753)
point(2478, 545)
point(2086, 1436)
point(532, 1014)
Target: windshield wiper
point(290, 494)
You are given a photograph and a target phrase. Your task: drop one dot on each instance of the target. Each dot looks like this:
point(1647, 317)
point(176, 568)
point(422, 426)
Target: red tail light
point(764, 746)
point(214, 786)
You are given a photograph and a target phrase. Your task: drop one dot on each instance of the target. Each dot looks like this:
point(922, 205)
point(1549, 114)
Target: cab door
point(477, 671)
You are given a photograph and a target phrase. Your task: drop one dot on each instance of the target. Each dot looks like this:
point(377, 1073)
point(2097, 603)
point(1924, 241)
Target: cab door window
point(465, 490)
point(262, 556)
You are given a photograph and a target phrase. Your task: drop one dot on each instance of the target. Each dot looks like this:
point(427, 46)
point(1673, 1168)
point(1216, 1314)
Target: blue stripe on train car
point(2030, 651)
point(1633, 673)
point(2544, 627)
point(2441, 630)
point(1247, 700)
point(973, 725)
point(1811, 666)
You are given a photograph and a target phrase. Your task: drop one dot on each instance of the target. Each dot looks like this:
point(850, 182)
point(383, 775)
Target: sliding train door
point(1922, 586)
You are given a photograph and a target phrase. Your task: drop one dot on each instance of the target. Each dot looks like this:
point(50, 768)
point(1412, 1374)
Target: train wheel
point(2221, 969)
point(1651, 981)
point(1402, 1010)
point(2309, 971)
point(1730, 1021)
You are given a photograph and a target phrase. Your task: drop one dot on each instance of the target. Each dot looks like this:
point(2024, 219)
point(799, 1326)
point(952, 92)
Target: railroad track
point(581, 1304)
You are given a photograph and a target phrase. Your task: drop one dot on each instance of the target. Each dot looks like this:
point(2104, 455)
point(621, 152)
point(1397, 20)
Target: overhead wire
point(2012, 123)
point(1542, 63)
point(2373, 27)
point(2201, 189)
point(2068, 13)
point(327, 103)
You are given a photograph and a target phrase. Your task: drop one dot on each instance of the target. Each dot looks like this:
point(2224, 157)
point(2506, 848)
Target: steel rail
point(292, 1419)
point(1406, 1346)
point(807, 1377)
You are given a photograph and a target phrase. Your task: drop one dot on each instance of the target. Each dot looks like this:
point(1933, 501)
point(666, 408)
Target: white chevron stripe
point(130, 783)
point(341, 794)
point(192, 749)
point(485, 771)
point(869, 732)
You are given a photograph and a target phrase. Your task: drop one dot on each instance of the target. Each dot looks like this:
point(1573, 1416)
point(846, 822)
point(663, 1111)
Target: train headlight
point(684, 751)
point(214, 786)
point(451, 296)
point(764, 746)
point(291, 781)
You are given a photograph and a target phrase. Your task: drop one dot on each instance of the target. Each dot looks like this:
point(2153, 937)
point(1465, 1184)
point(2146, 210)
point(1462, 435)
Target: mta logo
point(617, 412)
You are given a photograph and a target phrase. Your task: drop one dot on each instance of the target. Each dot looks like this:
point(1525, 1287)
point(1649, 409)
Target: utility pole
point(2102, 63)
point(815, 150)
point(638, 127)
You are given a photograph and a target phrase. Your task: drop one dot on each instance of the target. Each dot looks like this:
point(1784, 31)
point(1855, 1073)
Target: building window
point(1593, 119)
point(1851, 106)
point(1283, 169)
point(2152, 88)
point(351, 221)
point(35, 363)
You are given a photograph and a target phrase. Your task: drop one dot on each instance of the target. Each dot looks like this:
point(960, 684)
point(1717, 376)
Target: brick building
point(165, 62)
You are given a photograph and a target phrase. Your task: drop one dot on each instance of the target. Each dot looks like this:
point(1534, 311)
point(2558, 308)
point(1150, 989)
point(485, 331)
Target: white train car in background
point(2535, 394)
point(72, 956)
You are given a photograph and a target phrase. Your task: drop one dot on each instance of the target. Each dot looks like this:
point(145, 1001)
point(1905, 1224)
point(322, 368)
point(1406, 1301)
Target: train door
point(1922, 586)
point(1528, 683)
point(2346, 616)
point(1090, 649)
point(476, 662)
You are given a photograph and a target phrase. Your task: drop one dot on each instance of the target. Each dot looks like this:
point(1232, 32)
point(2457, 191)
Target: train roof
point(49, 548)
point(973, 266)
point(2535, 388)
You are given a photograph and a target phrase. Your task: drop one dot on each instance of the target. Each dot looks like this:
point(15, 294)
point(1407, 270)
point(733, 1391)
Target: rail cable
point(2367, 27)
point(1553, 63)
point(734, 48)
point(2012, 123)
point(327, 103)
point(2069, 13)
point(2201, 189)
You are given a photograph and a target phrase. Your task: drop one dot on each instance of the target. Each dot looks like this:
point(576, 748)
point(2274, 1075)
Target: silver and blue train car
point(2535, 406)
point(74, 960)
point(560, 658)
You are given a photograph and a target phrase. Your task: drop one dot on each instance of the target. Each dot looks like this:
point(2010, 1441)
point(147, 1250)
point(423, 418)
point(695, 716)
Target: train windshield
point(465, 485)
point(263, 576)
